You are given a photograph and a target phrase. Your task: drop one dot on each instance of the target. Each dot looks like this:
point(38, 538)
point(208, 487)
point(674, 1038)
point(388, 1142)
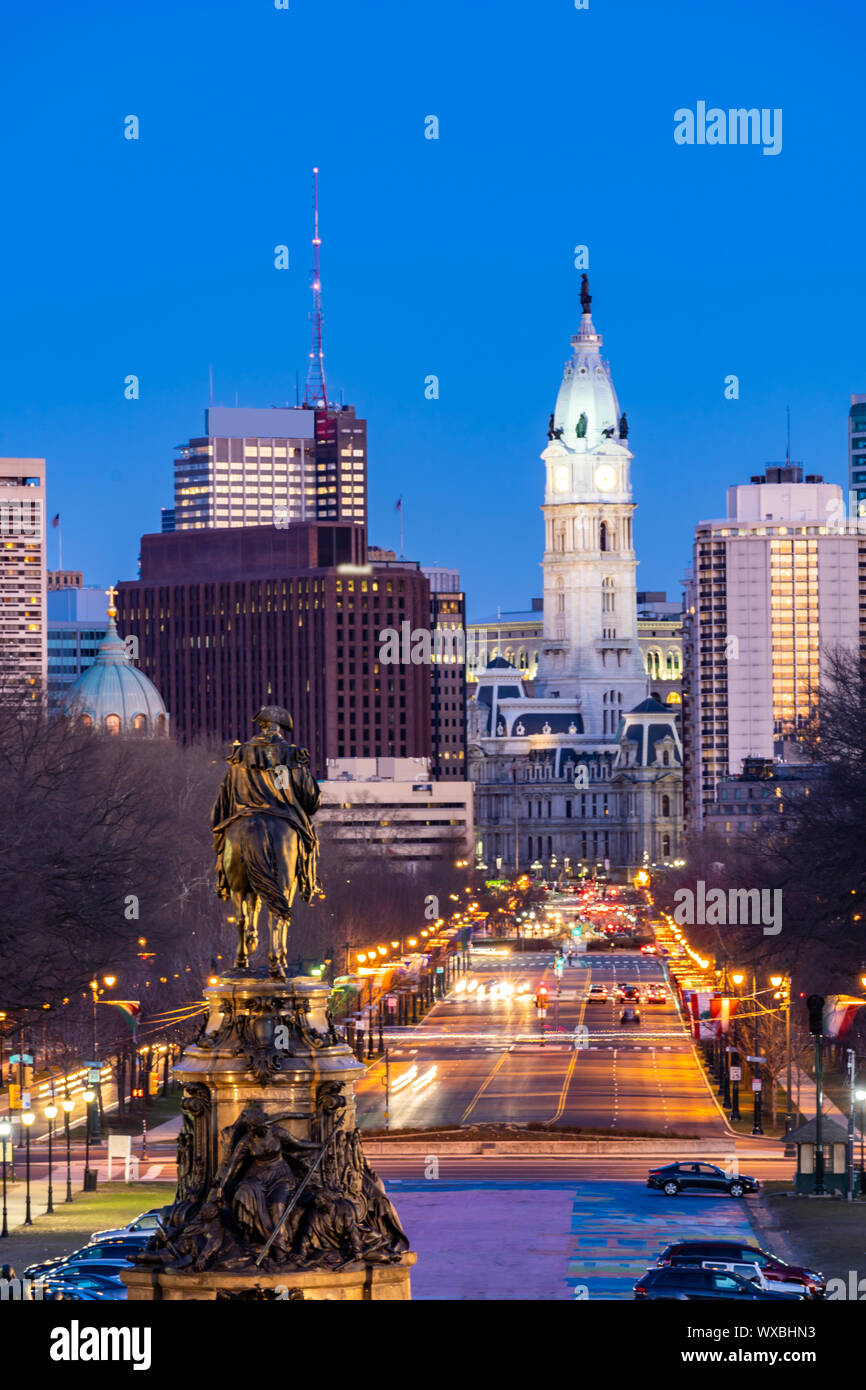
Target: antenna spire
point(788, 448)
point(315, 392)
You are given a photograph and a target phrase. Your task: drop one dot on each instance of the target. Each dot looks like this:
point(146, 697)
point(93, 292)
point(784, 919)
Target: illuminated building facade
point(23, 628)
point(575, 765)
point(773, 588)
point(271, 467)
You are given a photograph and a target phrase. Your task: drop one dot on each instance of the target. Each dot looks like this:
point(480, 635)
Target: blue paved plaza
point(548, 1240)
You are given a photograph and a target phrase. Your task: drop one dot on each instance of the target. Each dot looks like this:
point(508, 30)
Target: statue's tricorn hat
point(275, 714)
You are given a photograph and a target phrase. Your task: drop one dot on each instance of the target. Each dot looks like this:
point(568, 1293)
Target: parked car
point(678, 1282)
point(147, 1221)
point(81, 1285)
point(738, 1250)
point(116, 1252)
point(630, 1014)
point(700, 1177)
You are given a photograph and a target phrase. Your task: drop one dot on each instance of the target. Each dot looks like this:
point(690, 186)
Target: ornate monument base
point(356, 1284)
point(275, 1199)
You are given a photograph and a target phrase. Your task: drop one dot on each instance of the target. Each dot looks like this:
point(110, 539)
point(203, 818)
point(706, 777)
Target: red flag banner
point(722, 1010)
point(839, 1011)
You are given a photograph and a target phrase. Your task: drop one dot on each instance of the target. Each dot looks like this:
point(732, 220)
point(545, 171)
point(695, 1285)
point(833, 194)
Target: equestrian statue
point(266, 847)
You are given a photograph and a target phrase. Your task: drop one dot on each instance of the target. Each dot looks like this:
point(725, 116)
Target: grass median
point(72, 1224)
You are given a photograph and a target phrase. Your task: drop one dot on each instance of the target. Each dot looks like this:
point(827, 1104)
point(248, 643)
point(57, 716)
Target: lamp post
point(88, 1097)
point(783, 983)
point(5, 1136)
point(860, 1097)
point(757, 1092)
point(737, 979)
point(68, 1106)
point(27, 1118)
point(50, 1115)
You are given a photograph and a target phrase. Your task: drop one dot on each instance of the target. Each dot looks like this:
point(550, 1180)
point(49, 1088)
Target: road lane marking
point(482, 1088)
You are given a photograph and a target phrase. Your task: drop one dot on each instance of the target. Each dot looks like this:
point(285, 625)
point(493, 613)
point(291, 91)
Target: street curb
point(565, 1148)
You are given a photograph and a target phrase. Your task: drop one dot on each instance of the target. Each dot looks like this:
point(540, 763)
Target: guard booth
point(834, 1142)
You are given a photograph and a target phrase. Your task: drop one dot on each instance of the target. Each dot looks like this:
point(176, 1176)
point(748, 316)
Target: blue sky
point(452, 257)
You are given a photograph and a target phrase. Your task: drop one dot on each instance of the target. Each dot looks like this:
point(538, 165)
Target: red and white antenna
point(315, 392)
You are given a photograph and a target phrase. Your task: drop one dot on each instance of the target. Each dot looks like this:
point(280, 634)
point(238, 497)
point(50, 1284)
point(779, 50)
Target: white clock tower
point(590, 653)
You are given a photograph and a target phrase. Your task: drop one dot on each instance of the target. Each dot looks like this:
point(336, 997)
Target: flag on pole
point(55, 520)
point(839, 1011)
point(130, 1008)
point(722, 1011)
point(399, 506)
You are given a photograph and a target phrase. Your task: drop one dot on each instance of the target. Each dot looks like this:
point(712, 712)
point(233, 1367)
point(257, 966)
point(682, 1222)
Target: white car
point(755, 1275)
point(597, 994)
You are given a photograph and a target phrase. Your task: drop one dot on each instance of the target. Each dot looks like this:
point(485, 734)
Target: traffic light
point(815, 1005)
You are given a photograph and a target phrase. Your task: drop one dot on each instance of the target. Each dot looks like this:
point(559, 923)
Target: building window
point(666, 805)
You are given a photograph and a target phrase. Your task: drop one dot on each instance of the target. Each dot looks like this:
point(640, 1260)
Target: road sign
point(391, 1001)
point(22, 1057)
point(440, 969)
point(736, 1073)
point(759, 1060)
point(93, 1076)
point(757, 1083)
point(25, 1100)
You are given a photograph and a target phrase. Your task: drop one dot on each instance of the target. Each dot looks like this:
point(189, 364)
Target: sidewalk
point(803, 1097)
point(16, 1193)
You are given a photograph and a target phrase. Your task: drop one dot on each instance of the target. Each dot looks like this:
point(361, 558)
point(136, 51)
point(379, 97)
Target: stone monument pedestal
point(366, 1282)
point(275, 1199)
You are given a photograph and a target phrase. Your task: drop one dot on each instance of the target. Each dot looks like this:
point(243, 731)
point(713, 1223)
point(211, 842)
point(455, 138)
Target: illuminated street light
point(27, 1118)
point(50, 1115)
point(5, 1136)
point(68, 1106)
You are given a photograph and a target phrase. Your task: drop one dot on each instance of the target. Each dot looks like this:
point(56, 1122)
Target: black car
point(675, 1283)
point(700, 1177)
point(123, 1249)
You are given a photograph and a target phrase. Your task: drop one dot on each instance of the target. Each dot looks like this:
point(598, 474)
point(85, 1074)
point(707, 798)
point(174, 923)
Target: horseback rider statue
point(266, 847)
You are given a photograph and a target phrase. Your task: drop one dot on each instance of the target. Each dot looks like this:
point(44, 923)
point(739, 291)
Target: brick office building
point(228, 620)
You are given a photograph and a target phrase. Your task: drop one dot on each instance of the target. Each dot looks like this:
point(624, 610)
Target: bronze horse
point(265, 844)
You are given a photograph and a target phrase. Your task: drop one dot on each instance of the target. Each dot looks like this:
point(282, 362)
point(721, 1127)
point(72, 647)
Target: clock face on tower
point(560, 480)
point(605, 477)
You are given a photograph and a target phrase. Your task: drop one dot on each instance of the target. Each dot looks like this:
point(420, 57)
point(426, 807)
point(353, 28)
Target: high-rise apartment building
point(774, 588)
point(857, 456)
point(448, 626)
point(271, 467)
point(23, 642)
point(228, 620)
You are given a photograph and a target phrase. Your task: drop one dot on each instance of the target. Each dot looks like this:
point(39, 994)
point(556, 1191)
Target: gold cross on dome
point(112, 595)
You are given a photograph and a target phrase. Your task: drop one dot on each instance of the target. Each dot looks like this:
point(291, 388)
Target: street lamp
point(860, 1097)
point(5, 1136)
point(68, 1106)
point(50, 1115)
point(783, 982)
point(737, 978)
point(27, 1118)
point(88, 1097)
